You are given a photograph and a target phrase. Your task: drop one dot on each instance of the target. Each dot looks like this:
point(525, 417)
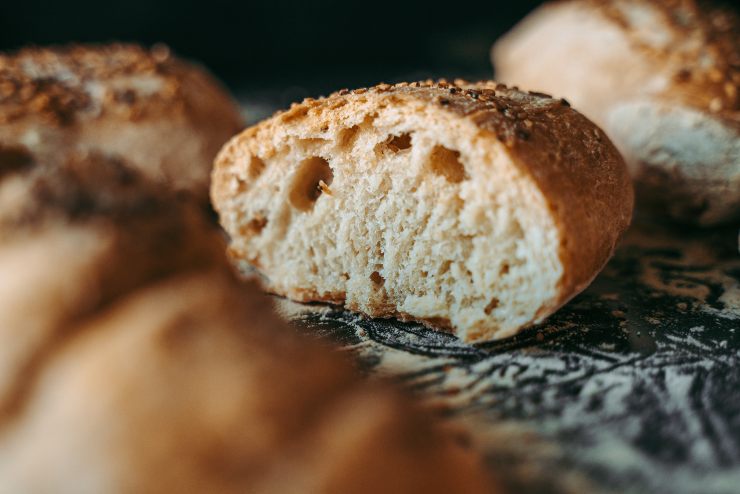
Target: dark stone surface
point(634, 386)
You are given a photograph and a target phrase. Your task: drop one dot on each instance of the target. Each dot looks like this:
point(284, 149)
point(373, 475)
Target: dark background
point(297, 47)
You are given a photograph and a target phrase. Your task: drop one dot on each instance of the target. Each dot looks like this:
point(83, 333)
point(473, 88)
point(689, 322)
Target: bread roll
point(133, 361)
point(165, 116)
point(475, 209)
point(660, 77)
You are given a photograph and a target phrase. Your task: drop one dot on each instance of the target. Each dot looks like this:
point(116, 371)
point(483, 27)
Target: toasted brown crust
point(582, 176)
point(147, 230)
point(379, 312)
point(210, 389)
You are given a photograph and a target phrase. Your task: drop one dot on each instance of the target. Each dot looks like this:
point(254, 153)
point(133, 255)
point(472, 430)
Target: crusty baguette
point(165, 116)
point(661, 77)
point(469, 207)
point(132, 360)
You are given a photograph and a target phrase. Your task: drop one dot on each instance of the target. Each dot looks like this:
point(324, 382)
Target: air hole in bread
point(399, 143)
point(313, 177)
point(256, 167)
point(446, 163)
point(377, 279)
point(491, 305)
point(255, 225)
point(348, 136)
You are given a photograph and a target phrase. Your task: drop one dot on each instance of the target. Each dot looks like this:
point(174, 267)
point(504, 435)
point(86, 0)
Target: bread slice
point(661, 77)
point(472, 208)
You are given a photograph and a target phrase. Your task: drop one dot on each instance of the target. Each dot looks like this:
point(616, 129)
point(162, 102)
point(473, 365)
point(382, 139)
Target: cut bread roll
point(167, 117)
point(472, 208)
point(660, 77)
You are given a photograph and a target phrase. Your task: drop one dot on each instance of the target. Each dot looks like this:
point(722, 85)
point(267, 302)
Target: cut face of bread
point(414, 202)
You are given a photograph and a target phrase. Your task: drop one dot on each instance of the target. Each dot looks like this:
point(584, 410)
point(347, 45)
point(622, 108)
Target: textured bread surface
point(132, 360)
point(470, 207)
point(165, 116)
point(661, 78)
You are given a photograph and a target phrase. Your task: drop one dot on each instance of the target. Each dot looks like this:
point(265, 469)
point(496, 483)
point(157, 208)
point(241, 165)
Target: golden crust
point(581, 174)
point(583, 177)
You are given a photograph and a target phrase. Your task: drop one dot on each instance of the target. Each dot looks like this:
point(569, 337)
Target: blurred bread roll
point(133, 361)
point(167, 117)
point(661, 78)
point(192, 385)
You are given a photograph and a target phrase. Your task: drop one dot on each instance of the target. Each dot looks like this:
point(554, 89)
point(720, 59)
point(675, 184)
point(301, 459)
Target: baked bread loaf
point(661, 77)
point(472, 208)
point(126, 338)
point(167, 117)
